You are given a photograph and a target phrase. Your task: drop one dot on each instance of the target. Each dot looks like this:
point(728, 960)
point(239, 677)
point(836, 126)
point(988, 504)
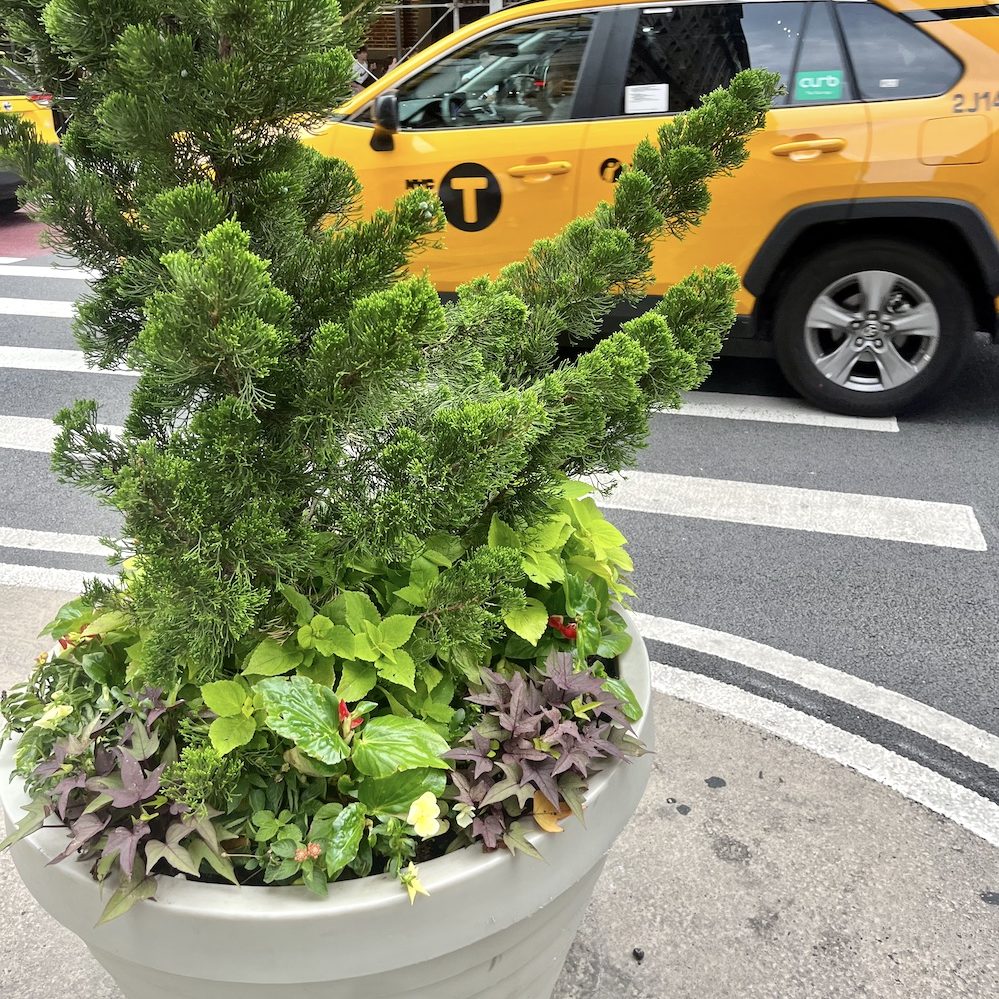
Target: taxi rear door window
point(680, 54)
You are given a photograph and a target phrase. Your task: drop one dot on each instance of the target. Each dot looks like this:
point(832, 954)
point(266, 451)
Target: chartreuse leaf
point(344, 839)
point(32, 819)
point(130, 891)
point(357, 679)
point(111, 621)
point(389, 745)
point(200, 852)
point(393, 795)
point(306, 713)
point(224, 697)
point(271, 658)
point(230, 733)
point(502, 535)
point(357, 608)
point(396, 630)
point(70, 617)
point(398, 667)
point(630, 707)
point(303, 609)
point(528, 621)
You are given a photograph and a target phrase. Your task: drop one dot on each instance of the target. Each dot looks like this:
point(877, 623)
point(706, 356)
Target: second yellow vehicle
point(17, 96)
point(863, 224)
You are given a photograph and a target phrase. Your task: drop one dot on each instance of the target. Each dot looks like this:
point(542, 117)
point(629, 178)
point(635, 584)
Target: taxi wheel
point(873, 327)
point(8, 206)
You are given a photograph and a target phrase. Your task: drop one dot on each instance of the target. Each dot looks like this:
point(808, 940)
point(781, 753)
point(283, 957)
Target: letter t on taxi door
point(469, 199)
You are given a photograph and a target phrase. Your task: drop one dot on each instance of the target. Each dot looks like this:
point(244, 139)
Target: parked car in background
point(17, 96)
point(863, 224)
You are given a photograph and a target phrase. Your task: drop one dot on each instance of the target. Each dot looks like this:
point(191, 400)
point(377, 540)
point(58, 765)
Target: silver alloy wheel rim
point(872, 331)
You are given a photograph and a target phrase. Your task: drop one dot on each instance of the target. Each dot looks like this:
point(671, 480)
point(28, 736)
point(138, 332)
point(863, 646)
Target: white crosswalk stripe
point(50, 359)
point(8, 268)
point(36, 307)
point(32, 433)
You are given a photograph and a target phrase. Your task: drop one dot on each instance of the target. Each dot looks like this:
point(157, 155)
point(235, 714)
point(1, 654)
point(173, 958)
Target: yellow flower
point(410, 878)
point(54, 714)
point(423, 815)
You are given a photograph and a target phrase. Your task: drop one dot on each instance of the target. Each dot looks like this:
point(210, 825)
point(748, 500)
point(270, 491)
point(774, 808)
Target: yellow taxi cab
point(863, 224)
point(17, 96)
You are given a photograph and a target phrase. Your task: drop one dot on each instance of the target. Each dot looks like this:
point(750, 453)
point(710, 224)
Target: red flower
point(345, 714)
point(344, 711)
point(570, 631)
point(356, 722)
point(64, 643)
point(557, 622)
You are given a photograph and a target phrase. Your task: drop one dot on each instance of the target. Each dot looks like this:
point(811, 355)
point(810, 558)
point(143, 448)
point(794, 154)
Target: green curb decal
point(818, 85)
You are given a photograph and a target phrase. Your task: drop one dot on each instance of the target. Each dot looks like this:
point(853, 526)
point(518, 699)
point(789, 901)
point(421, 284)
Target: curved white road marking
point(769, 409)
point(915, 782)
point(884, 518)
point(976, 744)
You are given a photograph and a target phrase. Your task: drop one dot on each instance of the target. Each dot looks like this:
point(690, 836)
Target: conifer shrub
point(367, 610)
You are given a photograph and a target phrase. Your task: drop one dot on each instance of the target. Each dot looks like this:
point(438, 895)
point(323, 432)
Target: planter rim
point(470, 877)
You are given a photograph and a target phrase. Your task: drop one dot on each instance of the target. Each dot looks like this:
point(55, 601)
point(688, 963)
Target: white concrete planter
point(495, 926)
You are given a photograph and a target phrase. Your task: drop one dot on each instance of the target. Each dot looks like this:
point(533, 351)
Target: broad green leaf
point(399, 669)
point(177, 856)
point(111, 621)
point(365, 650)
point(345, 837)
point(306, 713)
point(357, 679)
point(542, 568)
point(307, 765)
point(588, 635)
point(574, 489)
point(443, 550)
point(200, 852)
point(630, 707)
point(389, 744)
point(413, 594)
point(230, 733)
point(620, 558)
point(359, 608)
point(587, 564)
point(271, 658)
point(337, 641)
point(605, 535)
point(431, 676)
point(614, 644)
point(68, 618)
point(320, 670)
point(322, 822)
point(551, 535)
point(396, 630)
point(529, 621)
point(129, 892)
point(224, 697)
point(97, 665)
point(393, 795)
point(502, 535)
point(303, 609)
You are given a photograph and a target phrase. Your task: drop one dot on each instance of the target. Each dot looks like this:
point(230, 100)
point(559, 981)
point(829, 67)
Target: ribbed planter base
point(495, 926)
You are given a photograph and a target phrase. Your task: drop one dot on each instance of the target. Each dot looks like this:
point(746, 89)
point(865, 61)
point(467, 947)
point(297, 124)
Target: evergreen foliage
point(324, 471)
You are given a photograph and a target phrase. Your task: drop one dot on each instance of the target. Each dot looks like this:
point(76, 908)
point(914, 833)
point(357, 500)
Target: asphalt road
point(810, 566)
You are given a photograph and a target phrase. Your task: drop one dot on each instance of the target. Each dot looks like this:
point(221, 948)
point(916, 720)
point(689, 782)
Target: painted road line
point(36, 307)
point(51, 359)
point(11, 260)
point(884, 518)
point(43, 578)
point(975, 743)
point(915, 782)
point(52, 541)
point(32, 433)
point(9, 269)
point(772, 409)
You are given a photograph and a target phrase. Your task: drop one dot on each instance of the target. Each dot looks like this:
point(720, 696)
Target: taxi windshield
point(523, 73)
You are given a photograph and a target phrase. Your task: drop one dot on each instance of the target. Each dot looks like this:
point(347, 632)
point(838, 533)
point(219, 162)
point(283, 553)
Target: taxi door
point(490, 127)
point(812, 149)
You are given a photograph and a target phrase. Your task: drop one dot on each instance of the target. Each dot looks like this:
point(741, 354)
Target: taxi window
point(524, 73)
point(892, 58)
point(820, 74)
point(682, 53)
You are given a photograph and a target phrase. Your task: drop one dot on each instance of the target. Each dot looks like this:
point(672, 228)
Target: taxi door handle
point(540, 169)
point(802, 147)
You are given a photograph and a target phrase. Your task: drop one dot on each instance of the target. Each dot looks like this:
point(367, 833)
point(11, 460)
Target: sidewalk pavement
point(752, 869)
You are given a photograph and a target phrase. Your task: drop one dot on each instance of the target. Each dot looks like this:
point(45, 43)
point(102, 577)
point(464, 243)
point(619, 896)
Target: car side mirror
point(385, 115)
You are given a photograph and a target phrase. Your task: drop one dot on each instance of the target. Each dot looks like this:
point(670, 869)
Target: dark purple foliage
point(535, 728)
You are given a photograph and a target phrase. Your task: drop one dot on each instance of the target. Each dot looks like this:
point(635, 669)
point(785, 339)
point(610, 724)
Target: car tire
point(872, 327)
point(8, 206)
